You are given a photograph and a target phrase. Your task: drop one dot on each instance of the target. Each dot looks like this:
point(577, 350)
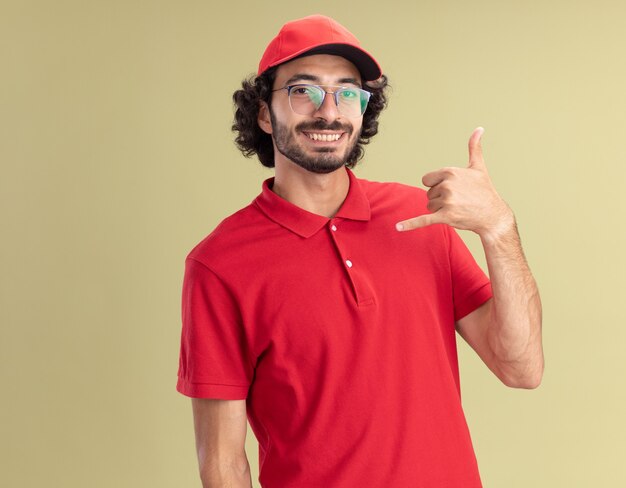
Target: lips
point(321, 132)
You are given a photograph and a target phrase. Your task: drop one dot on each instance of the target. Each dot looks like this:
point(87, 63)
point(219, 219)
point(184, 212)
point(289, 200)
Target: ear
point(264, 120)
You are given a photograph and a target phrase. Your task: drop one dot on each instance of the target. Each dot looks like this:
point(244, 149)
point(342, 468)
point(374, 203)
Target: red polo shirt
point(340, 334)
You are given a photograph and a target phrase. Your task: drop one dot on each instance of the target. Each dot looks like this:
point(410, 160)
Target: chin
point(319, 167)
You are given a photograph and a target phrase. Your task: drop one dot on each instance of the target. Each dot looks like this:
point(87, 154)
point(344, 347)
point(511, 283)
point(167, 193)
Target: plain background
point(117, 158)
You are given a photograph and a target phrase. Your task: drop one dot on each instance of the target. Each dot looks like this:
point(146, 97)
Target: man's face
point(320, 142)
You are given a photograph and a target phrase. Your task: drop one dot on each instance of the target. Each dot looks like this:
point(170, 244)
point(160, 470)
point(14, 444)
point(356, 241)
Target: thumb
point(476, 160)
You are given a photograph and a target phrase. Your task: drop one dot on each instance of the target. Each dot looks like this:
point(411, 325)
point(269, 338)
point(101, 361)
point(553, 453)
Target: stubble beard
point(326, 159)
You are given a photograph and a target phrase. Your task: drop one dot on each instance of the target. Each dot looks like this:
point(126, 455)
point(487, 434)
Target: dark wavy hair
point(252, 140)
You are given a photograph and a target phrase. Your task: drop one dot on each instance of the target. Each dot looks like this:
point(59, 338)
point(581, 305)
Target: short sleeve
point(213, 362)
point(470, 285)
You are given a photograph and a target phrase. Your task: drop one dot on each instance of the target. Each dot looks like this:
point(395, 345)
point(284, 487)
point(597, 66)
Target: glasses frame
point(335, 95)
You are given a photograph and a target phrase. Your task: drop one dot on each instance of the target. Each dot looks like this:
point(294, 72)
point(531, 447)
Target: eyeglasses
point(307, 99)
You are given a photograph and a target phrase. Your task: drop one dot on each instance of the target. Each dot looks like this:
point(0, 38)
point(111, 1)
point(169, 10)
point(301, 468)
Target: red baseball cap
point(318, 34)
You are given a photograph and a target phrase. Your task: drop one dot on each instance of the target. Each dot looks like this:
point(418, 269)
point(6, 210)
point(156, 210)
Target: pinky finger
point(417, 222)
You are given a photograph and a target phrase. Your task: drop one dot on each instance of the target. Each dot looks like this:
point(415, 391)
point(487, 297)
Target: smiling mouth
point(324, 137)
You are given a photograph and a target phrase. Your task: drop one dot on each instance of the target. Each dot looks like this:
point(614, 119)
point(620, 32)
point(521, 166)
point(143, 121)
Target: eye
point(300, 90)
point(305, 90)
point(349, 94)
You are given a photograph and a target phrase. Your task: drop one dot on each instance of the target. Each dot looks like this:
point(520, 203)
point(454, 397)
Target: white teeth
point(324, 137)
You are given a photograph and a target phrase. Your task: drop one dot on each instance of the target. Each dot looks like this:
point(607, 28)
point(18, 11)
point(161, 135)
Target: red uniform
point(340, 334)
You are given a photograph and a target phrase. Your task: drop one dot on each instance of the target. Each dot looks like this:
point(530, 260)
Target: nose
point(328, 109)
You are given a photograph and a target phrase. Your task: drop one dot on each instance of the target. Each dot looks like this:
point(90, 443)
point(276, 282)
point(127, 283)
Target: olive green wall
point(117, 158)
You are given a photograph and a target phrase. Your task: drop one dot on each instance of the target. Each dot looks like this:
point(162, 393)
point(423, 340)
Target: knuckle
point(447, 195)
point(444, 187)
point(450, 171)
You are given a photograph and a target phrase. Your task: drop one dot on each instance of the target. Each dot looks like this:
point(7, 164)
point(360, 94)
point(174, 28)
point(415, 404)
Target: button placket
point(334, 235)
point(362, 294)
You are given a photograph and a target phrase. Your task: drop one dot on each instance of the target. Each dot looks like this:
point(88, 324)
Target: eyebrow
point(316, 79)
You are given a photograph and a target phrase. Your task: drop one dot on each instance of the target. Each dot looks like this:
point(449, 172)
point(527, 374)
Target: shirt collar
point(356, 206)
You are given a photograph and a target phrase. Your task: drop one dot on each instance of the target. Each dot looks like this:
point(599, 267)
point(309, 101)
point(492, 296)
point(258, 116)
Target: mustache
point(321, 125)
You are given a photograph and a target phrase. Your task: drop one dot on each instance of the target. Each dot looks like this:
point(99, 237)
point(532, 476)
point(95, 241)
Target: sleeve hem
point(475, 300)
point(211, 390)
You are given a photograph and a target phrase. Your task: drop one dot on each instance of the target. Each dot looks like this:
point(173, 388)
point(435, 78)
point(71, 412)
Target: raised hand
point(464, 198)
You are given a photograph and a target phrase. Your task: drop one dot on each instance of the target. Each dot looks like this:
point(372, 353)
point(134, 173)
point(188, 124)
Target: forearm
point(514, 333)
point(226, 474)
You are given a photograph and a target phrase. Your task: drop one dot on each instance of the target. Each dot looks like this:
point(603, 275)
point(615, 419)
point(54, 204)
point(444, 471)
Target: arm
point(506, 330)
point(220, 428)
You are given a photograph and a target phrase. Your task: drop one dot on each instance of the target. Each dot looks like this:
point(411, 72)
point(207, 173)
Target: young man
point(325, 312)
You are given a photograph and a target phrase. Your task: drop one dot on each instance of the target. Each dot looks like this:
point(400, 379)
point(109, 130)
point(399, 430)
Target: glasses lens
point(305, 99)
point(352, 102)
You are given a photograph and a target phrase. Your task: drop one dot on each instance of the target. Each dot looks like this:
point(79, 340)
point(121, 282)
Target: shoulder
point(390, 188)
point(400, 196)
point(230, 238)
point(392, 202)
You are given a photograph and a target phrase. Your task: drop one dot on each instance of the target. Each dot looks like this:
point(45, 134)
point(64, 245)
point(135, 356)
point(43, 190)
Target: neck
point(321, 194)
